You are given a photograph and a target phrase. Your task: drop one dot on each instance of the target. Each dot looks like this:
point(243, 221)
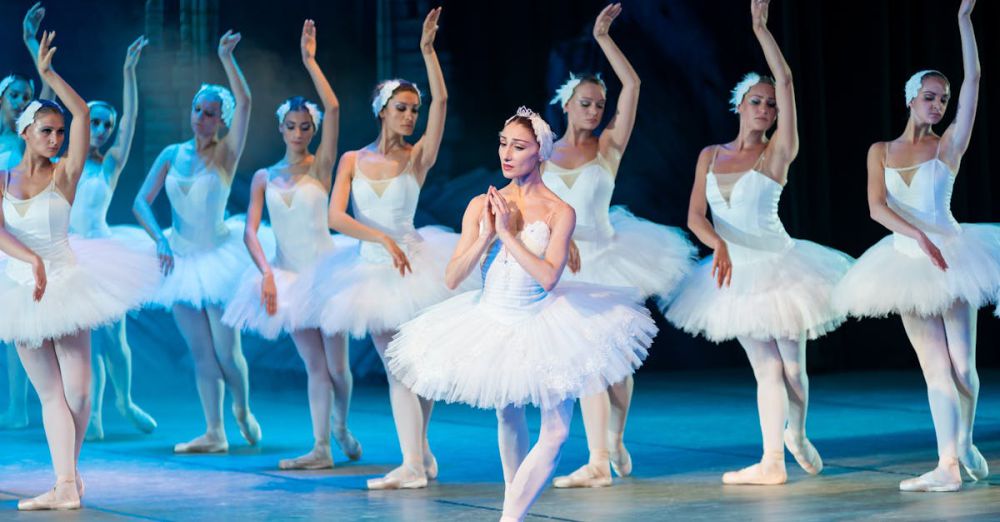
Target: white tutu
point(576, 341)
point(246, 312)
point(640, 254)
point(107, 280)
point(901, 280)
point(357, 290)
point(774, 297)
point(203, 277)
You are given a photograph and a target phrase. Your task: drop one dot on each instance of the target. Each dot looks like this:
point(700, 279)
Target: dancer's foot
point(142, 421)
point(770, 471)
point(587, 476)
point(14, 420)
point(975, 464)
point(942, 479)
point(249, 427)
point(430, 465)
point(621, 460)
point(80, 489)
point(95, 430)
point(348, 444)
point(804, 452)
point(207, 443)
point(318, 458)
point(61, 497)
point(403, 477)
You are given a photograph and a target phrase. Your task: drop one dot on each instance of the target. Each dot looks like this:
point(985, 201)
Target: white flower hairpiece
point(741, 89)
point(228, 102)
point(385, 92)
point(913, 85)
point(106, 105)
point(543, 133)
point(11, 79)
point(27, 116)
point(314, 112)
point(565, 91)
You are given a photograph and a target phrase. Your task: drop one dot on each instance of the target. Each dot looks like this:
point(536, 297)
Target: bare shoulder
point(877, 149)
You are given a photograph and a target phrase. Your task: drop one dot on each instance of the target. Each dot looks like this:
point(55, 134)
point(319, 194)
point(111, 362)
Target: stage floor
point(873, 430)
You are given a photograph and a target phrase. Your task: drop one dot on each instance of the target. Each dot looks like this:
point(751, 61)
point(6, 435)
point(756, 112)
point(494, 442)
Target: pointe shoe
point(95, 430)
point(14, 421)
point(586, 476)
point(249, 427)
point(976, 466)
point(938, 480)
point(430, 466)
point(767, 472)
point(61, 497)
point(348, 444)
point(318, 458)
point(203, 444)
point(408, 478)
point(142, 421)
point(804, 452)
point(621, 462)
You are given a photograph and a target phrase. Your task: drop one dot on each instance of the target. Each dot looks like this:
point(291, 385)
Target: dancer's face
point(15, 98)
point(102, 124)
point(759, 108)
point(586, 108)
point(297, 130)
point(401, 112)
point(206, 115)
point(45, 136)
point(518, 151)
point(931, 103)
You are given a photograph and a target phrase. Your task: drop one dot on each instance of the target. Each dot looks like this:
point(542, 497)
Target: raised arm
point(960, 131)
point(426, 149)
point(785, 142)
point(545, 270)
point(326, 154)
point(32, 21)
point(619, 129)
point(702, 228)
point(878, 207)
point(117, 155)
point(79, 130)
point(142, 206)
point(236, 139)
point(477, 233)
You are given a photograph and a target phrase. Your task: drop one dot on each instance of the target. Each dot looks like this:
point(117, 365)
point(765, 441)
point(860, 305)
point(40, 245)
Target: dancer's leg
point(197, 334)
point(538, 466)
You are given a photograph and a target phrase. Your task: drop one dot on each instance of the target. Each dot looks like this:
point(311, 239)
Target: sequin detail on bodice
point(505, 282)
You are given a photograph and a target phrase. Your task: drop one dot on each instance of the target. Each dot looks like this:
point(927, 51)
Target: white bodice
point(748, 221)
point(198, 209)
point(388, 205)
point(89, 216)
point(588, 189)
point(925, 203)
point(41, 223)
point(299, 221)
point(505, 282)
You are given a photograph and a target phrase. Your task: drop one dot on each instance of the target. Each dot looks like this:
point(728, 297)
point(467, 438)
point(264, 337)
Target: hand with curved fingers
point(227, 43)
point(134, 51)
point(758, 12)
point(45, 52)
point(932, 251)
point(166, 256)
point(307, 44)
point(33, 20)
point(603, 23)
point(38, 269)
point(722, 265)
point(269, 293)
point(399, 259)
point(430, 31)
point(573, 261)
point(501, 214)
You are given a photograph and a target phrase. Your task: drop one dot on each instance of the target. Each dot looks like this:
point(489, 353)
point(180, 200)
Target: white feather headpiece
point(741, 89)
point(106, 105)
point(543, 133)
point(385, 92)
point(228, 102)
point(915, 82)
point(314, 112)
point(27, 116)
point(565, 91)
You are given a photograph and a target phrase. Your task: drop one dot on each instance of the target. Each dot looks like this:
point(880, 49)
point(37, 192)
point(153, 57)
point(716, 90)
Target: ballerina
point(202, 255)
point(769, 291)
point(522, 339)
point(54, 289)
point(932, 271)
point(295, 192)
point(615, 247)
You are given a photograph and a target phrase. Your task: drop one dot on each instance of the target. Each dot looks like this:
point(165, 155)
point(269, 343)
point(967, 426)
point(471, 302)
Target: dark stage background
point(849, 58)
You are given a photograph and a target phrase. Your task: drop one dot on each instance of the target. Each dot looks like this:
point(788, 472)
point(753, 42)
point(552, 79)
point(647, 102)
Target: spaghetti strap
point(885, 155)
point(760, 160)
point(715, 154)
